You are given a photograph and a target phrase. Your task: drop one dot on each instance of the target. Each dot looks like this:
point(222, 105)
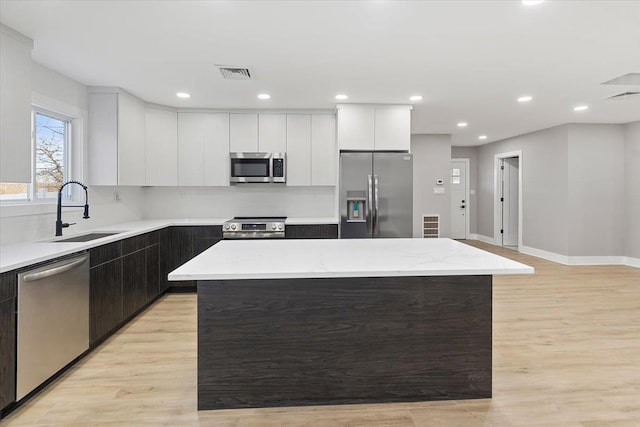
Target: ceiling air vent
point(624, 96)
point(235, 73)
point(627, 79)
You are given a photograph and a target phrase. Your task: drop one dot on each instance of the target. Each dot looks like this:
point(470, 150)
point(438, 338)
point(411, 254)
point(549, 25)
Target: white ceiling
point(469, 59)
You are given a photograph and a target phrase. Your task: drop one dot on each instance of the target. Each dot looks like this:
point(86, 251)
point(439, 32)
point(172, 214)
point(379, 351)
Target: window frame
point(31, 197)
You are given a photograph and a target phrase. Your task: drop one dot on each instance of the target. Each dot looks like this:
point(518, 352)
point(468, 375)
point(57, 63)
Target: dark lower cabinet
point(134, 287)
point(164, 238)
point(187, 242)
point(152, 279)
point(105, 299)
point(7, 353)
point(127, 279)
point(312, 231)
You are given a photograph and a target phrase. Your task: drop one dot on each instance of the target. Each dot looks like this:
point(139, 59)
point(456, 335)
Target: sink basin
point(84, 237)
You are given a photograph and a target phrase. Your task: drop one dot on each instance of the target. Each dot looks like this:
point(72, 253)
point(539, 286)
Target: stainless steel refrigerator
point(376, 195)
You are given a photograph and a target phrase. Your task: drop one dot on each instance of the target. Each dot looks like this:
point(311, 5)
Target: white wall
point(596, 190)
point(238, 200)
point(59, 93)
point(431, 161)
point(632, 191)
point(545, 177)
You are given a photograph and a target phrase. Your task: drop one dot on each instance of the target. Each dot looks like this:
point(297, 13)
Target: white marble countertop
point(20, 255)
point(279, 259)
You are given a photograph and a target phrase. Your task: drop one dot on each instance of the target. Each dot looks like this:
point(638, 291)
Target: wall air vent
point(627, 79)
point(235, 73)
point(431, 226)
point(625, 96)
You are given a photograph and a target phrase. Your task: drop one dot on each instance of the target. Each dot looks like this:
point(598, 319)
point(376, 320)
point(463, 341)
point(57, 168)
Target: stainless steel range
point(251, 227)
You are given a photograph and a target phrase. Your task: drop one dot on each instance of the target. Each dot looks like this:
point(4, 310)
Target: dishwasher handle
point(53, 271)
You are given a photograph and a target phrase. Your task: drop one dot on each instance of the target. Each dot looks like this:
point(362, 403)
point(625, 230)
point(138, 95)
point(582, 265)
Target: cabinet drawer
point(7, 285)
point(312, 231)
point(105, 253)
point(135, 243)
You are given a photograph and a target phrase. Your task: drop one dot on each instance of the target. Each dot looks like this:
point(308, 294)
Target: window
point(50, 152)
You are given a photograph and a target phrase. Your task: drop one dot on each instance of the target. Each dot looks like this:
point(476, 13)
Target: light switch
point(438, 190)
point(472, 191)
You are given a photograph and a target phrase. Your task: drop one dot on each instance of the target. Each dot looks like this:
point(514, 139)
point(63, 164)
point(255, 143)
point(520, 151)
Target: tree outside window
point(50, 149)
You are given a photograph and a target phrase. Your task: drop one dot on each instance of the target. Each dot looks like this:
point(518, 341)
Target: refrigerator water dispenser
point(356, 209)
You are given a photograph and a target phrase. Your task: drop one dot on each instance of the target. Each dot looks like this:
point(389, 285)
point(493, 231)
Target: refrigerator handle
point(376, 220)
point(369, 212)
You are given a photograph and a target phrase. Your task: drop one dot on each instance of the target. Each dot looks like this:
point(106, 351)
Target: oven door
point(250, 167)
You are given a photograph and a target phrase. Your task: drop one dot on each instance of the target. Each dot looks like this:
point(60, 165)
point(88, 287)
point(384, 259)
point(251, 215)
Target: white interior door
point(458, 200)
point(510, 188)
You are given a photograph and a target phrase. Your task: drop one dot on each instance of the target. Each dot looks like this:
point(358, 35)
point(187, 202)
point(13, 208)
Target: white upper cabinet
point(324, 153)
point(161, 147)
point(203, 149)
point(15, 106)
point(243, 132)
point(392, 128)
point(272, 133)
point(298, 149)
point(116, 138)
point(356, 127)
point(374, 127)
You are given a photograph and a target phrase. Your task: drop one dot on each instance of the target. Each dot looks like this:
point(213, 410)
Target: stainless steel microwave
point(258, 167)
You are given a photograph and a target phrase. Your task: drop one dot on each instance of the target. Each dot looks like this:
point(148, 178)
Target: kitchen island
point(309, 322)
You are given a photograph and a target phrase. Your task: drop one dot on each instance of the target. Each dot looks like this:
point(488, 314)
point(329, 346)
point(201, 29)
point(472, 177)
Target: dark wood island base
point(319, 341)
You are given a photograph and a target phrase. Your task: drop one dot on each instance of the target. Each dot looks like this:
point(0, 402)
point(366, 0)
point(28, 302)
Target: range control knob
point(233, 226)
point(279, 226)
point(273, 226)
point(226, 226)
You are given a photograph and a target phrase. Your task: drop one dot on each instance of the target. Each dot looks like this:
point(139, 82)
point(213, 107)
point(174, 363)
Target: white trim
point(632, 262)
point(467, 166)
point(482, 238)
point(496, 195)
point(597, 260)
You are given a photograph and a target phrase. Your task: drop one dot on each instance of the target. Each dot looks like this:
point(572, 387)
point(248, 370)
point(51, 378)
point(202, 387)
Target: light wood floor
point(566, 352)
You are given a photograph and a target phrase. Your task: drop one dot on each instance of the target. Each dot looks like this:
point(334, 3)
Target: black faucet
point(59, 224)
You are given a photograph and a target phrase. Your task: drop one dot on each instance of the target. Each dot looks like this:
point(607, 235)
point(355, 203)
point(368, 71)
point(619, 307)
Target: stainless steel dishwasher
point(53, 320)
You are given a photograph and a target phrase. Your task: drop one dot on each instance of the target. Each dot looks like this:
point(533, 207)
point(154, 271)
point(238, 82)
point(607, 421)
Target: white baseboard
point(551, 256)
point(632, 262)
point(597, 260)
point(482, 238)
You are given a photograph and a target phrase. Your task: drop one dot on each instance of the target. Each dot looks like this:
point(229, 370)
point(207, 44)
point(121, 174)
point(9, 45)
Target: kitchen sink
point(85, 237)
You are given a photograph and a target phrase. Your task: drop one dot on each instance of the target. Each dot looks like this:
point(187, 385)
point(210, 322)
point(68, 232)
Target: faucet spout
point(59, 224)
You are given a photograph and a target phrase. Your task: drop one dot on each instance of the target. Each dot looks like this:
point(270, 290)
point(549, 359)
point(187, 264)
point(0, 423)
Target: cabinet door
point(152, 278)
point(356, 127)
point(243, 132)
point(7, 338)
point(272, 133)
point(298, 149)
point(324, 154)
point(161, 147)
point(392, 129)
point(205, 237)
point(105, 299)
point(190, 149)
point(103, 138)
point(15, 107)
point(216, 149)
point(182, 249)
point(131, 155)
point(165, 258)
point(134, 287)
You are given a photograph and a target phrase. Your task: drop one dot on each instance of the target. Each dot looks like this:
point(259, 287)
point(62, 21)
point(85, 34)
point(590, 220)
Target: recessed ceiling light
point(462, 124)
point(482, 137)
point(183, 95)
point(581, 108)
point(264, 96)
point(416, 98)
point(341, 97)
point(525, 98)
point(532, 2)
